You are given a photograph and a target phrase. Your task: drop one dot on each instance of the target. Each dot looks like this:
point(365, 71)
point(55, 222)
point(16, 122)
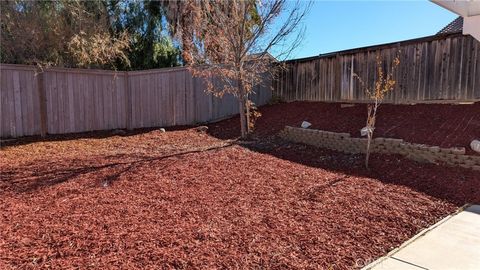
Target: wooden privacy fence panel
point(19, 103)
point(432, 68)
point(59, 101)
point(83, 101)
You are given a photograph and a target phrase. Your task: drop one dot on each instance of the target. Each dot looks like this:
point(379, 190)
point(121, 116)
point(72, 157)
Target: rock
point(201, 128)
point(119, 132)
point(162, 130)
point(364, 131)
point(475, 145)
point(305, 124)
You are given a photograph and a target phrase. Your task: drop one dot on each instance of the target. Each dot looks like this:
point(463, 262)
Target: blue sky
point(339, 25)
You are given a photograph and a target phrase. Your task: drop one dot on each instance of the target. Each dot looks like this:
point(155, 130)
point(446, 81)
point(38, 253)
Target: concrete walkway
point(452, 243)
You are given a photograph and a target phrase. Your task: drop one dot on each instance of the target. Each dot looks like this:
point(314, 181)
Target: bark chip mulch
point(443, 125)
point(187, 200)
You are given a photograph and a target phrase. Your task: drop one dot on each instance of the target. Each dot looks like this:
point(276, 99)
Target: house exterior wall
point(471, 26)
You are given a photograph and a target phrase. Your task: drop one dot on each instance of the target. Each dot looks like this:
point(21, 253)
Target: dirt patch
point(187, 200)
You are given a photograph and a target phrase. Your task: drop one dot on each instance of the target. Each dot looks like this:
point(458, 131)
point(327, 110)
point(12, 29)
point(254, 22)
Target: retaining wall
point(342, 142)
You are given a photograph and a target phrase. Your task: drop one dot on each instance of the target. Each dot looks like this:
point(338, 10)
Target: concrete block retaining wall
point(342, 142)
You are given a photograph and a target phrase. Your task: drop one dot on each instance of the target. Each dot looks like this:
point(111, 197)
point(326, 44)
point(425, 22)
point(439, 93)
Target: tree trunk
point(243, 118)
point(242, 105)
point(372, 116)
point(369, 140)
point(247, 112)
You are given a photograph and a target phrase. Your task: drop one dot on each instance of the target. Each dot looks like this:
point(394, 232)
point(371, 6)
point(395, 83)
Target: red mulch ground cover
point(433, 124)
point(187, 200)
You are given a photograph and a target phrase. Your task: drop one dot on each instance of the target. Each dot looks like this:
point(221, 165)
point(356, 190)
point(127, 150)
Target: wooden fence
point(59, 101)
point(431, 69)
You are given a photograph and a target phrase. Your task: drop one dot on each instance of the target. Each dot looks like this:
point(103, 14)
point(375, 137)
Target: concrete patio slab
point(452, 243)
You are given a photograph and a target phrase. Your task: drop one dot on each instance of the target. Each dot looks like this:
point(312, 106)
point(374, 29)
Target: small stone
point(162, 130)
point(305, 124)
point(365, 130)
point(202, 128)
point(475, 145)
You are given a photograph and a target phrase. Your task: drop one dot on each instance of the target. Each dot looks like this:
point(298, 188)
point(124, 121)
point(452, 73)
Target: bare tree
point(229, 41)
point(383, 84)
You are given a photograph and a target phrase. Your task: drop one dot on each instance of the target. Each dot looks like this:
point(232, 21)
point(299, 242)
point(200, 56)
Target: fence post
point(350, 95)
point(338, 78)
point(128, 102)
point(42, 98)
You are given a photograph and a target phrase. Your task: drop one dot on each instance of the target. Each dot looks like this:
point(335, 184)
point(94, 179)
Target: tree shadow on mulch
point(453, 184)
point(103, 175)
point(103, 134)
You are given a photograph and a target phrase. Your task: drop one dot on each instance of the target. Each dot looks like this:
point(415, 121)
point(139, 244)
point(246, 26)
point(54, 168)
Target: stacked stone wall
point(342, 142)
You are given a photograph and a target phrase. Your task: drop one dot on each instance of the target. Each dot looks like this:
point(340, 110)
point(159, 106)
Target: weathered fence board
point(59, 100)
point(433, 68)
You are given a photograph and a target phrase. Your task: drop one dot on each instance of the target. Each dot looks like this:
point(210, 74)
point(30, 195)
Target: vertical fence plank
point(17, 104)
point(120, 97)
point(476, 85)
point(161, 104)
point(109, 91)
point(26, 108)
point(42, 103)
point(89, 104)
point(128, 102)
point(11, 106)
point(158, 101)
point(61, 103)
point(70, 104)
point(3, 114)
point(32, 87)
point(2, 104)
point(113, 101)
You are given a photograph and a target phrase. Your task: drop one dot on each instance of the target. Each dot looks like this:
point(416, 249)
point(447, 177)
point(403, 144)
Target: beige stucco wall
point(471, 26)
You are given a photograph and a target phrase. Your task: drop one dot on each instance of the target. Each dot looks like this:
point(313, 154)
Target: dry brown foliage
point(227, 42)
point(99, 49)
point(60, 33)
